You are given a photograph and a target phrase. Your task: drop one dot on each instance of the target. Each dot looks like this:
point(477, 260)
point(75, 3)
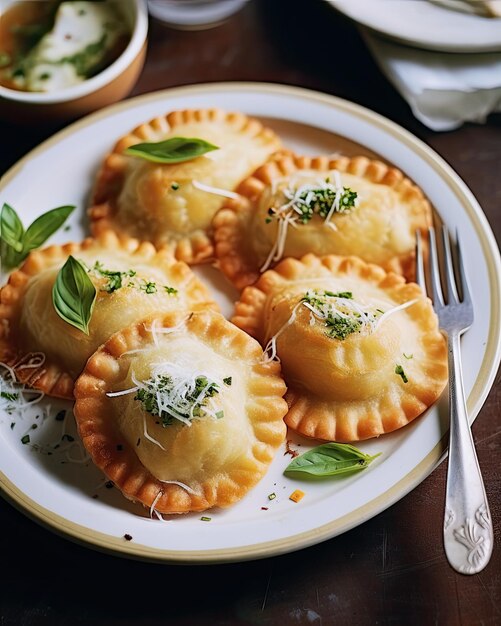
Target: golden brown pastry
point(294, 205)
point(360, 348)
point(181, 412)
point(132, 280)
point(173, 203)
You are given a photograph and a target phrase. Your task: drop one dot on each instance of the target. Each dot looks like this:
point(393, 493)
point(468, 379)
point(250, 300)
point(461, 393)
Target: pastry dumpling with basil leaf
point(164, 181)
point(181, 412)
point(295, 205)
point(65, 301)
point(360, 348)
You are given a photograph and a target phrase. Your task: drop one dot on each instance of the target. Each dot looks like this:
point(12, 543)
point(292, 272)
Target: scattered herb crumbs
point(148, 287)
point(12, 424)
point(67, 437)
point(219, 414)
point(227, 381)
point(272, 496)
point(9, 396)
point(170, 290)
point(34, 426)
point(408, 356)
point(127, 537)
point(108, 484)
point(205, 519)
point(25, 439)
point(67, 228)
point(297, 495)
point(175, 186)
point(399, 370)
point(60, 415)
point(44, 76)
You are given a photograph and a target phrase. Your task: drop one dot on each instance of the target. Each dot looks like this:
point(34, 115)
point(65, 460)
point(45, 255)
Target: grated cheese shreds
point(215, 190)
point(178, 392)
point(367, 318)
point(180, 484)
point(270, 350)
point(152, 507)
point(301, 203)
point(149, 437)
point(15, 398)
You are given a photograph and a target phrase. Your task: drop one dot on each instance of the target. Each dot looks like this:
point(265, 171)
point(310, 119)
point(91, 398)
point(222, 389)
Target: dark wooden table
point(390, 570)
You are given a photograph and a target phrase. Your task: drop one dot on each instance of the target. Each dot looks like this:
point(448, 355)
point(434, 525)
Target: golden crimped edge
point(197, 247)
point(265, 409)
point(314, 417)
point(50, 377)
point(233, 248)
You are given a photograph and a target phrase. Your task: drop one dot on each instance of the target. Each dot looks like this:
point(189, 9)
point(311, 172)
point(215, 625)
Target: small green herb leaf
point(329, 459)
point(11, 228)
point(45, 226)
point(74, 295)
point(175, 150)
point(16, 244)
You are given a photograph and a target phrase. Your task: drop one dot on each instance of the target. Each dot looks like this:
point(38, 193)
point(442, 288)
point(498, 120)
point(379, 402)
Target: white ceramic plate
point(423, 24)
point(59, 494)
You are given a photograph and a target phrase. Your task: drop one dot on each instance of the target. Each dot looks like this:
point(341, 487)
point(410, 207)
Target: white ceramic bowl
point(109, 86)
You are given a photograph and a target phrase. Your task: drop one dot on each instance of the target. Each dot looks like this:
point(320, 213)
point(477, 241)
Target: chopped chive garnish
point(399, 370)
point(205, 519)
point(408, 356)
point(227, 381)
point(60, 415)
point(25, 439)
point(272, 496)
point(175, 186)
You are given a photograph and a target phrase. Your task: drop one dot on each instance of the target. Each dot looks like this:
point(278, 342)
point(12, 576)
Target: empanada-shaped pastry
point(172, 203)
point(181, 412)
point(132, 280)
point(360, 348)
point(294, 205)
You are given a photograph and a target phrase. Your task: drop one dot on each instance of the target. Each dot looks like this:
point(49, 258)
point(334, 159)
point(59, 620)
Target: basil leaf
point(45, 226)
point(11, 228)
point(74, 295)
point(175, 150)
point(329, 459)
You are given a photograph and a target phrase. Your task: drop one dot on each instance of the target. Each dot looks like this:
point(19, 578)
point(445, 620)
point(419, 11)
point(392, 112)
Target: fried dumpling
point(360, 348)
point(175, 203)
point(294, 205)
point(181, 412)
point(132, 280)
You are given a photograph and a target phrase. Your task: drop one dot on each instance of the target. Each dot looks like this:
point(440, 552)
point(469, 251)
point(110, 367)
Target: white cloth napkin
point(443, 90)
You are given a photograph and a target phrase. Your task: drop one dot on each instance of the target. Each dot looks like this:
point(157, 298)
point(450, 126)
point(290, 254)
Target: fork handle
point(468, 535)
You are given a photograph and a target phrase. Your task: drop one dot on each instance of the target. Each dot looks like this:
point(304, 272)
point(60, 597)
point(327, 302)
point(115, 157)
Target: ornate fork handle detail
point(468, 534)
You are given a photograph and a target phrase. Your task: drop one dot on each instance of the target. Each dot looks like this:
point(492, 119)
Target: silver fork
point(468, 535)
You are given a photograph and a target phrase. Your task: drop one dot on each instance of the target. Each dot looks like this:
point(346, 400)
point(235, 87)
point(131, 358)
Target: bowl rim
point(136, 42)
